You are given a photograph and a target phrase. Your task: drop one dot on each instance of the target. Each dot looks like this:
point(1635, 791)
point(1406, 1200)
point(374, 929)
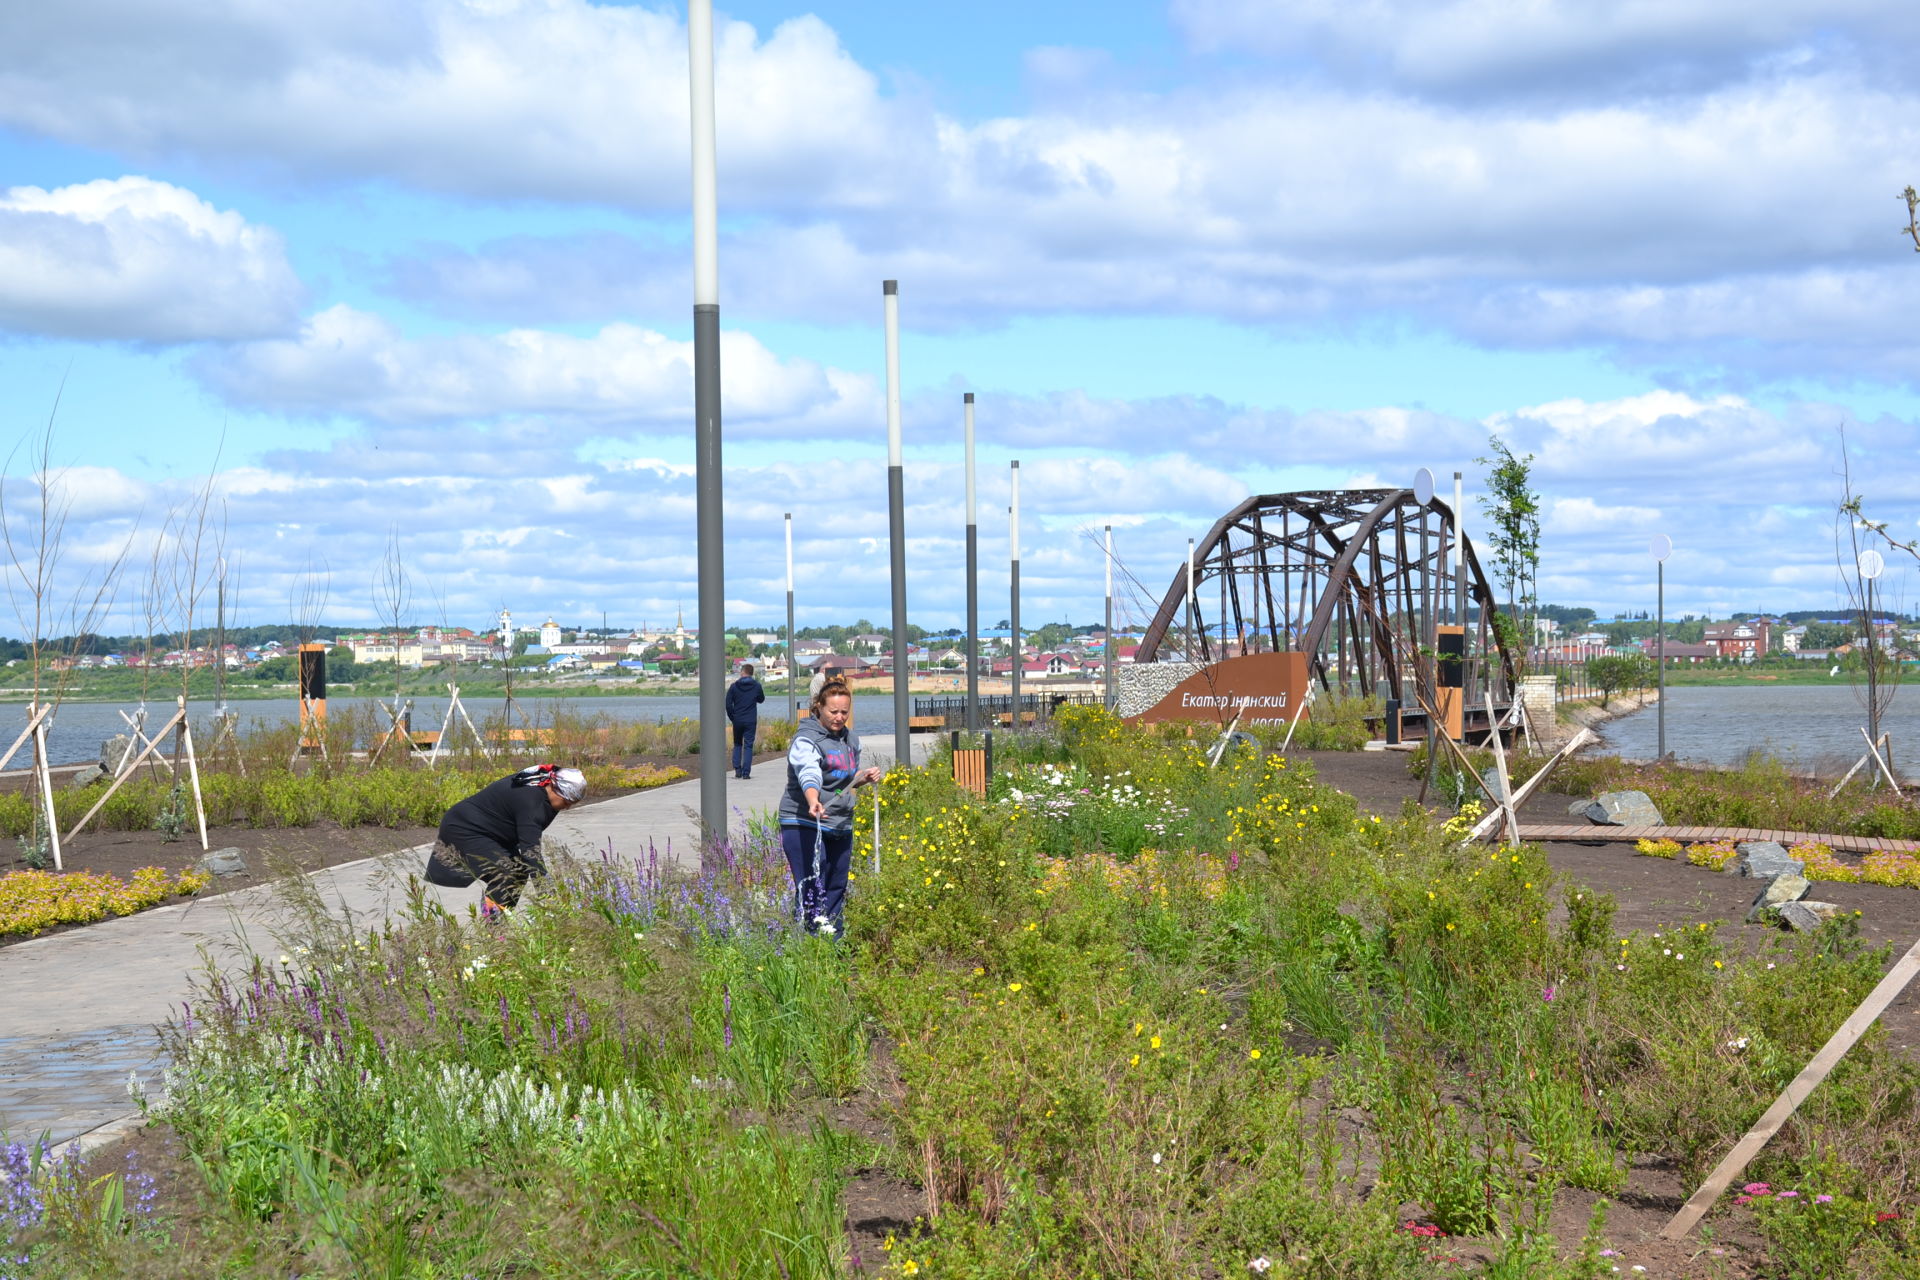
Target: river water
point(1804, 725)
point(80, 727)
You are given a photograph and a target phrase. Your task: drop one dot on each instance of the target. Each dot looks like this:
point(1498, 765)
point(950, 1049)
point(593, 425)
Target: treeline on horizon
point(1684, 628)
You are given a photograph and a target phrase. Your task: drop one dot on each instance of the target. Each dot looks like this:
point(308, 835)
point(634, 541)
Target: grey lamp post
point(973, 585)
point(792, 715)
point(1013, 535)
point(706, 424)
point(1109, 647)
point(1660, 549)
point(897, 532)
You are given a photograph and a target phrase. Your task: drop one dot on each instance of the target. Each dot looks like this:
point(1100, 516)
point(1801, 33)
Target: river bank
point(1818, 730)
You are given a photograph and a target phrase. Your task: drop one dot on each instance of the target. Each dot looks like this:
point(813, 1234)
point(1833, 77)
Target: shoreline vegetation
point(127, 685)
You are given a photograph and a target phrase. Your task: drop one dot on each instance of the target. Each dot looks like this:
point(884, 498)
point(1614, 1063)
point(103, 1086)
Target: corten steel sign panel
point(1262, 687)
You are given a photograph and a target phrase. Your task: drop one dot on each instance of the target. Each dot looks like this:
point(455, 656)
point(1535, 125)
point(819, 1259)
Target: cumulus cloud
point(1556, 47)
point(135, 259)
point(1750, 228)
point(548, 99)
point(1753, 525)
point(346, 361)
point(1745, 220)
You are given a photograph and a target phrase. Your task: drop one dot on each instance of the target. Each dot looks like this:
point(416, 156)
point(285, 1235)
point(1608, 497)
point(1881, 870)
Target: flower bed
point(1895, 868)
point(34, 901)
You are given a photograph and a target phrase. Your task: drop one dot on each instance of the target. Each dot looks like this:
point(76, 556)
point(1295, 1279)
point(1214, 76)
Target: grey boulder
point(225, 862)
point(112, 749)
point(1807, 915)
point(1763, 860)
point(1624, 809)
point(86, 776)
point(1779, 891)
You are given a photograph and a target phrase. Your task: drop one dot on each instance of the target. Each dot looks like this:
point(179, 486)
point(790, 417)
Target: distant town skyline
point(419, 272)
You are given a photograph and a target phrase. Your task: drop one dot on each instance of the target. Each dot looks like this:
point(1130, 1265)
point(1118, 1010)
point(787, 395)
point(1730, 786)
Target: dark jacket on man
point(744, 697)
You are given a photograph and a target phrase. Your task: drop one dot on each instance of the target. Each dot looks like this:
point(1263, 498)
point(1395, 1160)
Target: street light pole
point(706, 424)
point(792, 716)
point(1111, 642)
point(1660, 549)
point(973, 585)
point(897, 532)
point(1013, 535)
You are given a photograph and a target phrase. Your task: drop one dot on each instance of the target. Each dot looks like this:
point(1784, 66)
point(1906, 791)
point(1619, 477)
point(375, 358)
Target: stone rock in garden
point(225, 862)
point(1491, 776)
point(1763, 860)
point(1779, 890)
point(87, 776)
point(1624, 809)
point(112, 749)
point(1807, 915)
point(1578, 809)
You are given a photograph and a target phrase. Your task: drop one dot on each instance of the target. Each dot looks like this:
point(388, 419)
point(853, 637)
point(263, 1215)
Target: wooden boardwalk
point(1692, 835)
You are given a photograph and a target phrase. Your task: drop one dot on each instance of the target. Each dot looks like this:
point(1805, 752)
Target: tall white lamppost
point(1660, 549)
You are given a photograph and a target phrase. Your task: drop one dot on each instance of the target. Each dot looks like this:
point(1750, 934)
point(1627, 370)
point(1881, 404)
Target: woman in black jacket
point(494, 834)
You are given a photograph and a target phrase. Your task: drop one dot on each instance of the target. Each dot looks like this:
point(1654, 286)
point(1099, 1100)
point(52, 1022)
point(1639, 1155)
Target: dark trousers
point(743, 747)
point(506, 872)
point(823, 896)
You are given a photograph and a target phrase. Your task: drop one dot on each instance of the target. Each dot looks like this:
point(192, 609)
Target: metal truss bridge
point(1359, 580)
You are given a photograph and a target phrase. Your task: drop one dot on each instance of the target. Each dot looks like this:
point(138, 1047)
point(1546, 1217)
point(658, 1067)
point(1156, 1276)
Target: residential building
point(1740, 641)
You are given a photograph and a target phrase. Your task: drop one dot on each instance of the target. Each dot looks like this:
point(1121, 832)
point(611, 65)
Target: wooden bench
point(924, 723)
point(428, 738)
point(539, 737)
point(1026, 717)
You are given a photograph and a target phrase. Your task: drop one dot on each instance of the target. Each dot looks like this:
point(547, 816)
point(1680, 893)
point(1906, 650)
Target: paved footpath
point(78, 1010)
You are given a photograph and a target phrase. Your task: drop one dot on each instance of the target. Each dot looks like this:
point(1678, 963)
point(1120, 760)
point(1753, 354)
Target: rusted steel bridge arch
point(1357, 579)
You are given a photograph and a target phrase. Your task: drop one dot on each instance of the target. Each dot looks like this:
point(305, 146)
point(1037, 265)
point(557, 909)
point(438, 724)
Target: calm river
point(1806, 725)
point(80, 727)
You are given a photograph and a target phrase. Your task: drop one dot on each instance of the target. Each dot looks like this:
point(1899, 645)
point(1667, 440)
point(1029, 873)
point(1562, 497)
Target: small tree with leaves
point(1615, 672)
point(1513, 508)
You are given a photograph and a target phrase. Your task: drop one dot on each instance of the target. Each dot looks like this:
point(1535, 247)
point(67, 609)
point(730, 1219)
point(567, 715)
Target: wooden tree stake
point(1737, 1160)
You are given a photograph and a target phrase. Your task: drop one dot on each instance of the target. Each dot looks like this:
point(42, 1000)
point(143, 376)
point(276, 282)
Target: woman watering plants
point(494, 834)
point(816, 811)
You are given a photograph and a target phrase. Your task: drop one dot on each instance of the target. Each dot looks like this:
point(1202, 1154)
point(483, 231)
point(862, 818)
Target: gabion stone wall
point(1142, 685)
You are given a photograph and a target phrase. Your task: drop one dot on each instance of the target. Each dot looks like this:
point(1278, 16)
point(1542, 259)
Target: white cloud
point(1508, 47)
point(1584, 515)
point(353, 362)
point(549, 99)
point(136, 259)
point(1745, 219)
point(1753, 524)
point(1751, 226)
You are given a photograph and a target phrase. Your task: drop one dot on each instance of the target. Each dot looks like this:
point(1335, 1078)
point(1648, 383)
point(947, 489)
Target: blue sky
point(424, 266)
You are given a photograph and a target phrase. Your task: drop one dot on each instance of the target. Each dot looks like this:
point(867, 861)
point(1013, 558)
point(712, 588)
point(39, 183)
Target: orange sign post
point(1449, 678)
point(1259, 687)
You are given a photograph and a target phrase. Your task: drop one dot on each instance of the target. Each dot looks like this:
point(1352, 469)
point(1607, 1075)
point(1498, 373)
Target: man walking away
point(743, 713)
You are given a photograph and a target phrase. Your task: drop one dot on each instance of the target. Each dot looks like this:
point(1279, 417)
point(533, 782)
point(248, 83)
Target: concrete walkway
point(78, 1010)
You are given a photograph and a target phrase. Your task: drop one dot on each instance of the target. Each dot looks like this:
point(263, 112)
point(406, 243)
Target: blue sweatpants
point(826, 897)
point(743, 732)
